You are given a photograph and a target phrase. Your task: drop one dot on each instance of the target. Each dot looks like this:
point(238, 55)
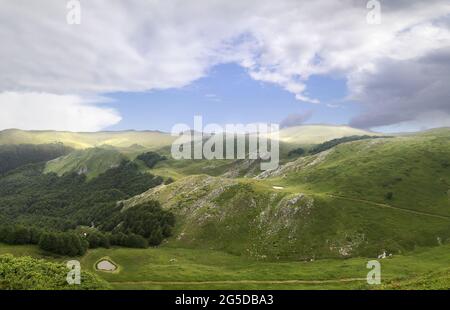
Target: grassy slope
point(94, 161)
point(416, 170)
point(91, 162)
point(274, 224)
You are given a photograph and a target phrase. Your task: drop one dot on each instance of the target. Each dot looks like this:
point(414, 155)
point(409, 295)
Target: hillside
point(411, 172)
point(252, 219)
point(90, 162)
point(359, 198)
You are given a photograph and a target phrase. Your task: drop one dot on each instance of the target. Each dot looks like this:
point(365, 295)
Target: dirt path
point(383, 205)
point(243, 282)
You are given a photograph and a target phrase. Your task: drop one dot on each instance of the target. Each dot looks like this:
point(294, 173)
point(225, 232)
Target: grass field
point(177, 268)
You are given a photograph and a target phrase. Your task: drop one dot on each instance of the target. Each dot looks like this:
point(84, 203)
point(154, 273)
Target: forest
point(69, 214)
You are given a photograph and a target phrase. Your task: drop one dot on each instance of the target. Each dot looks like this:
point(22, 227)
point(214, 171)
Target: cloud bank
point(42, 111)
point(397, 71)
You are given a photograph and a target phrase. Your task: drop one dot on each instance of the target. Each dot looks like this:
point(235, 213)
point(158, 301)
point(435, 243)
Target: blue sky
point(229, 95)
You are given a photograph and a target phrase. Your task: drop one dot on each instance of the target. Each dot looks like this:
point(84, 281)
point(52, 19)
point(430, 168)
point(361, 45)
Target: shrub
point(26, 273)
point(150, 159)
point(389, 195)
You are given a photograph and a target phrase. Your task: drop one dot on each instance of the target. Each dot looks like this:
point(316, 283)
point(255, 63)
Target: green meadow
point(177, 268)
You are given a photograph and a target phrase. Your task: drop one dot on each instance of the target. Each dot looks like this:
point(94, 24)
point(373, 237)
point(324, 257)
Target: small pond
point(106, 265)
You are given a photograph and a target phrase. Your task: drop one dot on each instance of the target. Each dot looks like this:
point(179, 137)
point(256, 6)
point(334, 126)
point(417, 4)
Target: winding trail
point(242, 282)
point(383, 205)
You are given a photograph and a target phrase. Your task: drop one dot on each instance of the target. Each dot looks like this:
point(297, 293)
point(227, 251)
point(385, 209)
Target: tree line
point(136, 227)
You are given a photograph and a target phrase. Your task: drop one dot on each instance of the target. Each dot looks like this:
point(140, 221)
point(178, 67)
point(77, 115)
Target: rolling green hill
point(106, 149)
point(410, 172)
point(299, 135)
point(250, 218)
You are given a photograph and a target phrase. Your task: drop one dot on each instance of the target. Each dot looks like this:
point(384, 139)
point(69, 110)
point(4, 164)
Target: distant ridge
point(83, 140)
point(313, 134)
point(155, 139)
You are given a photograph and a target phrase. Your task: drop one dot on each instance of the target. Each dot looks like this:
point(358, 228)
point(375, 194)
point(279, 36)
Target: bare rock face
point(295, 166)
point(345, 244)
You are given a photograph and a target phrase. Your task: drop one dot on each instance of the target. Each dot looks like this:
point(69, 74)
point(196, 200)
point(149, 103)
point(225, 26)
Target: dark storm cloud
point(296, 119)
point(402, 91)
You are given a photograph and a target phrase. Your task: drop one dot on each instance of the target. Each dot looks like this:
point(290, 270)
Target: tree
point(156, 237)
point(21, 235)
point(297, 152)
point(136, 241)
point(97, 239)
point(168, 181)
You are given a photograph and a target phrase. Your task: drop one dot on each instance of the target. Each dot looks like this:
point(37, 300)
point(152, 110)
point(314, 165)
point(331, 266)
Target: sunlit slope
point(90, 162)
point(410, 172)
point(251, 218)
point(80, 140)
point(314, 134)
point(307, 134)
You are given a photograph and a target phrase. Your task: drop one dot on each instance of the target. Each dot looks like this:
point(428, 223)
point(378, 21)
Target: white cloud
point(143, 45)
point(43, 111)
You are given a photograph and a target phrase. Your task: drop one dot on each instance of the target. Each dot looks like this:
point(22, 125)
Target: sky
point(228, 95)
point(148, 65)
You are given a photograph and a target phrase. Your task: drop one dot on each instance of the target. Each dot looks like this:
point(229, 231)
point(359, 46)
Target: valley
point(312, 223)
